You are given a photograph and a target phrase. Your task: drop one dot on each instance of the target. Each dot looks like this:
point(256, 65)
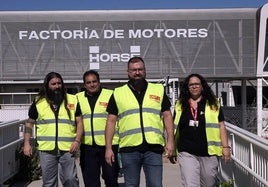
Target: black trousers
point(93, 164)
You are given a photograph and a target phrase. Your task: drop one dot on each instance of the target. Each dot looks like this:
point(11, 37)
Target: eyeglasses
point(196, 85)
point(134, 70)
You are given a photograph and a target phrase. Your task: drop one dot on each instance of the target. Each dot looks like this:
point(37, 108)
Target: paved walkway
point(171, 177)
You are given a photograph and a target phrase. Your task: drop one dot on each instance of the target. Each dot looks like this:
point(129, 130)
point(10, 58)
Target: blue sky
point(125, 4)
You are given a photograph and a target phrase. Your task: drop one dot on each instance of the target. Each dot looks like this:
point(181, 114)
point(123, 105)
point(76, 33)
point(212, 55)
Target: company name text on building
point(109, 34)
point(96, 56)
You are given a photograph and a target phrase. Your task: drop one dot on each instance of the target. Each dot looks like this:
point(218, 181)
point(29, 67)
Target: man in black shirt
point(140, 108)
point(93, 102)
point(59, 128)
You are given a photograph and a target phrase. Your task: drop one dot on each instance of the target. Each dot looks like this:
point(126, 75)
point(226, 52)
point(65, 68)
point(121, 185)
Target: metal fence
point(10, 142)
point(235, 116)
point(249, 166)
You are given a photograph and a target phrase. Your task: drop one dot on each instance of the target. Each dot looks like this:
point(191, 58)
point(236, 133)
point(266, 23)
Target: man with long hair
point(58, 132)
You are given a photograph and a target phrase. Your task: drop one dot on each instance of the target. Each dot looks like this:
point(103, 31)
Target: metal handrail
point(250, 152)
point(10, 144)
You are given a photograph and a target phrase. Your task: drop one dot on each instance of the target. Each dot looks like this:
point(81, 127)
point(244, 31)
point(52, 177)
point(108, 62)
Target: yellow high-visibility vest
point(130, 115)
point(47, 124)
point(212, 128)
point(96, 119)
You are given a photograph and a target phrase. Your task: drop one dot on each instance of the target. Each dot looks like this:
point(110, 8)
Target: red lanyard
point(194, 112)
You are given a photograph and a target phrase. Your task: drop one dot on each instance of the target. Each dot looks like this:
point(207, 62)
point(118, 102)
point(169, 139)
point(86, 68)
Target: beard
point(55, 96)
point(138, 84)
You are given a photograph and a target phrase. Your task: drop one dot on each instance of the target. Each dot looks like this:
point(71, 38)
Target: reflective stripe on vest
point(97, 119)
point(131, 116)
point(133, 111)
point(46, 121)
point(212, 129)
point(46, 125)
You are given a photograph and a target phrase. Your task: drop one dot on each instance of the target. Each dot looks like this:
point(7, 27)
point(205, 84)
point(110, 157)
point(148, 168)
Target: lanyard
point(194, 112)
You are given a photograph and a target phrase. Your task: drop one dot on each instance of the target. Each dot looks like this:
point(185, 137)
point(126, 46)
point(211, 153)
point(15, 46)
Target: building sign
point(173, 43)
point(95, 57)
point(108, 34)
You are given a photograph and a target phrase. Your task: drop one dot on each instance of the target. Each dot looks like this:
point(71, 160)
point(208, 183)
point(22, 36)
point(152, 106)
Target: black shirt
point(193, 139)
point(165, 106)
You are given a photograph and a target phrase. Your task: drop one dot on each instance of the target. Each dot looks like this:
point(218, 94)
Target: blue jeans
point(49, 164)
point(152, 166)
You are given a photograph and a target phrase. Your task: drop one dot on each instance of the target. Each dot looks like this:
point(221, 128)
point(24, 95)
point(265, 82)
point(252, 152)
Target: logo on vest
point(155, 98)
point(103, 104)
point(70, 106)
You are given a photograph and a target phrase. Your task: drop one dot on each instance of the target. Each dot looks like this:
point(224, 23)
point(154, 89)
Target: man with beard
point(93, 102)
point(58, 132)
point(142, 111)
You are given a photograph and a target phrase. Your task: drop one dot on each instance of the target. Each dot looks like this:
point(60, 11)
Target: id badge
point(193, 123)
